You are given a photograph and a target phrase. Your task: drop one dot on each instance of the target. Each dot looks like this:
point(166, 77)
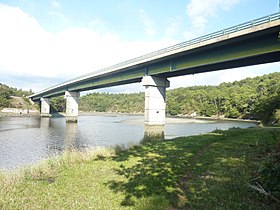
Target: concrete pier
point(155, 93)
point(72, 112)
point(45, 107)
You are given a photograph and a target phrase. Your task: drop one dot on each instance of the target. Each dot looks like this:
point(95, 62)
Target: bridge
point(250, 43)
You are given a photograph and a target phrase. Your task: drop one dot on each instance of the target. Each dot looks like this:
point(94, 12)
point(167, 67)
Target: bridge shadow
point(188, 171)
point(160, 171)
point(57, 114)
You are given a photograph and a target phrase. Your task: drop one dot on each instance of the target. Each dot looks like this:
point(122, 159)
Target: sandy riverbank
point(169, 119)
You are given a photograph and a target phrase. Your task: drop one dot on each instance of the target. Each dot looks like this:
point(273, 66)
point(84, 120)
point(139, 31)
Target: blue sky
point(45, 42)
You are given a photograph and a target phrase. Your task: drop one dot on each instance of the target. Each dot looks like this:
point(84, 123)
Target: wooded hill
point(9, 97)
point(251, 98)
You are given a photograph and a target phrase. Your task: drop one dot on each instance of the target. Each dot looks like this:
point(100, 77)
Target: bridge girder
point(259, 47)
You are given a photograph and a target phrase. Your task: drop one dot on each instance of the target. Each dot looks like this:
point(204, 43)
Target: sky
point(46, 42)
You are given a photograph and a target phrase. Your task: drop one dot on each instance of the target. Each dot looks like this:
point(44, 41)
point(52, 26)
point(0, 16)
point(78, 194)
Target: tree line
point(251, 98)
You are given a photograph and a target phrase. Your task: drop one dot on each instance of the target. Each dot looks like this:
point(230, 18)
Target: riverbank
point(209, 171)
point(9, 114)
point(170, 119)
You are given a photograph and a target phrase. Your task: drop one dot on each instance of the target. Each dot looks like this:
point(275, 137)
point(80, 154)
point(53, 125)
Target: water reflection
point(70, 136)
point(153, 133)
point(44, 123)
point(154, 130)
point(25, 141)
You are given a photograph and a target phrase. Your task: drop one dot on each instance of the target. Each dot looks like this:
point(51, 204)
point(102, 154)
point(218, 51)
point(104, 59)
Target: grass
point(209, 171)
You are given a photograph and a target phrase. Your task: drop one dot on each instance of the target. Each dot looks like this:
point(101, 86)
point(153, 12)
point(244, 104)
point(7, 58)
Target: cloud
point(250, 71)
point(30, 53)
point(28, 50)
point(173, 27)
point(199, 13)
point(60, 16)
point(229, 75)
point(147, 22)
point(55, 5)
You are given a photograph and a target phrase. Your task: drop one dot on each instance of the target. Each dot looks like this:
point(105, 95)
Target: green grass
point(209, 171)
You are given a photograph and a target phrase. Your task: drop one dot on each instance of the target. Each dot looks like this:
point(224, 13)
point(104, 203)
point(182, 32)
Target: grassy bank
point(209, 171)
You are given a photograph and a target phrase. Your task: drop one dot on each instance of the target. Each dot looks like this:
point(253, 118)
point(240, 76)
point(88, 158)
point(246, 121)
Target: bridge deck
point(253, 42)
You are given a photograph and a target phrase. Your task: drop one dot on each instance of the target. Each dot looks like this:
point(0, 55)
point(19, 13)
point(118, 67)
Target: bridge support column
point(72, 99)
point(45, 107)
point(155, 92)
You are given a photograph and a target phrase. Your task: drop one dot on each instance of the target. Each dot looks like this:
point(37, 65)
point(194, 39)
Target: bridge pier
point(72, 112)
point(155, 92)
point(45, 107)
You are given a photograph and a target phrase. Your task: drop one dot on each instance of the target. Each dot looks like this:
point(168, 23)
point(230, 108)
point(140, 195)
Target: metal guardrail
point(207, 37)
point(233, 29)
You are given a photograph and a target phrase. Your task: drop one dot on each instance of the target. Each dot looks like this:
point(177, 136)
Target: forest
point(252, 98)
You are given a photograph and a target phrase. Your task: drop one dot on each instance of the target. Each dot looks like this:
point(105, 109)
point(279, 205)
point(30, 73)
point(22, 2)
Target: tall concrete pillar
point(72, 99)
point(155, 92)
point(45, 107)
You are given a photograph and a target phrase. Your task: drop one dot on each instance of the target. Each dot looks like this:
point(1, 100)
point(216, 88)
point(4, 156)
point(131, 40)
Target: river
point(27, 140)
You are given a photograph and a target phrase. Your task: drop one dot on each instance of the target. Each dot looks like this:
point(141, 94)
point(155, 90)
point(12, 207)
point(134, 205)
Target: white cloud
point(200, 12)
point(148, 23)
point(250, 71)
point(29, 50)
point(173, 27)
point(60, 16)
point(55, 5)
point(229, 75)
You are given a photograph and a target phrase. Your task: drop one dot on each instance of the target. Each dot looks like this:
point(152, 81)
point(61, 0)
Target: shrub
point(269, 173)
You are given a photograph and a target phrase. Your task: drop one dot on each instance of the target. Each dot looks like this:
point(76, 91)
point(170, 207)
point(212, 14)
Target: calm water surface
point(25, 141)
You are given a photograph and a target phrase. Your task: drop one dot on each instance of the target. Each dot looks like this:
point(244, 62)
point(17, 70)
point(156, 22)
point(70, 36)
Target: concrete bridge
point(250, 43)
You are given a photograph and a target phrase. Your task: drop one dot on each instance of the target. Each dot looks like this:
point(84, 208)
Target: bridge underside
point(255, 48)
point(244, 48)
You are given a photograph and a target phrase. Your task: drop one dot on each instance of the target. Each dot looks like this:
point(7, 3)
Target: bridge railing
point(240, 27)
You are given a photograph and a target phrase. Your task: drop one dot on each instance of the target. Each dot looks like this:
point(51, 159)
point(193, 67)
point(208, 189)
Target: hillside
point(251, 98)
point(14, 98)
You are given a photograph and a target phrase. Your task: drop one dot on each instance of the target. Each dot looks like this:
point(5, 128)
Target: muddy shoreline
point(169, 118)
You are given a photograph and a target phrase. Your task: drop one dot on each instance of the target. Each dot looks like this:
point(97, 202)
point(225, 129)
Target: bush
point(4, 102)
point(277, 117)
point(269, 172)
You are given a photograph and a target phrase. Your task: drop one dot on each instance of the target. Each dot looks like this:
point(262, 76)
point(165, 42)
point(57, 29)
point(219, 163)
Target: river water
point(27, 140)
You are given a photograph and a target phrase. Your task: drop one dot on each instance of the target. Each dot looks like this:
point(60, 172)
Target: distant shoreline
point(9, 114)
point(217, 119)
point(82, 113)
point(167, 116)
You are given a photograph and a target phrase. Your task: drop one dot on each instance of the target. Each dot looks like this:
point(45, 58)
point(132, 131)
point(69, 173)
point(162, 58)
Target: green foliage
point(269, 172)
point(105, 102)
point(26, 100)
point(152, 138)
point(277, 117)
point(58, 104)
point(251, 98)
point(6, 92)
point(208, 171)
